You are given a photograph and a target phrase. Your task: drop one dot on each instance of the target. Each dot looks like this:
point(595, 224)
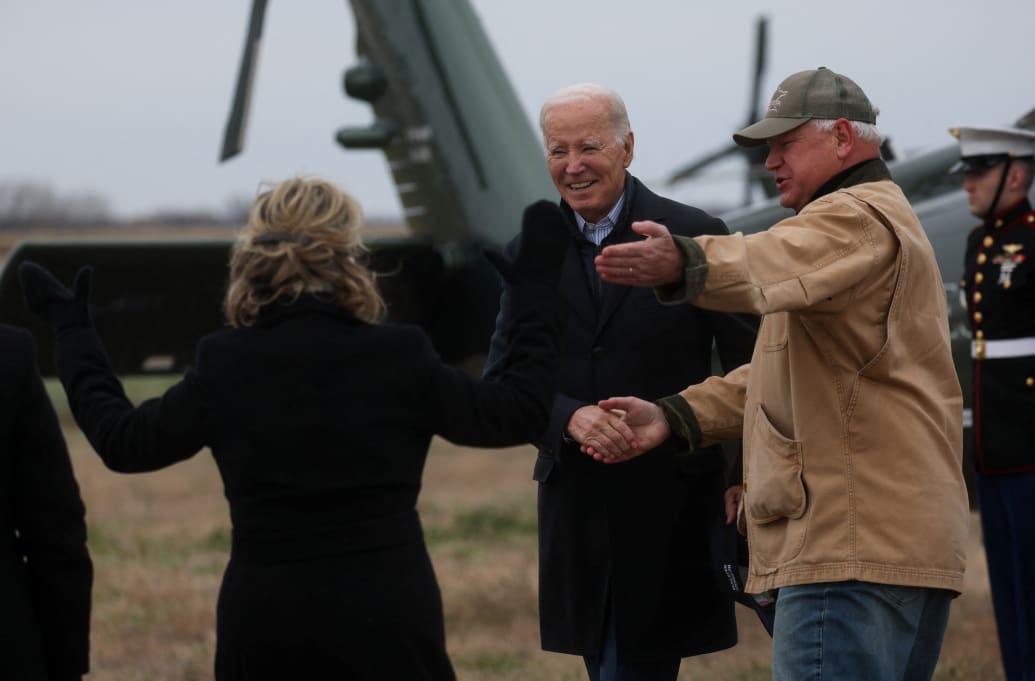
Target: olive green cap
point(819, 93)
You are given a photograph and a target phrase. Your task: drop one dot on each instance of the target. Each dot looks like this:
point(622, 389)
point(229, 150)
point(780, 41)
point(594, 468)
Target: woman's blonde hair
point(303, 236)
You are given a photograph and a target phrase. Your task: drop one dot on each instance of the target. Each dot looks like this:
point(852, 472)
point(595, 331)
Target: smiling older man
point(625, 574)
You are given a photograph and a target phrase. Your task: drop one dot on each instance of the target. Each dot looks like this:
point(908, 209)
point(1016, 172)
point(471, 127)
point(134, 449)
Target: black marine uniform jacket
point(999, 281)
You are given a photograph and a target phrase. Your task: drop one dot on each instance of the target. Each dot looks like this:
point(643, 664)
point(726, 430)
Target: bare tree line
point(27, 204)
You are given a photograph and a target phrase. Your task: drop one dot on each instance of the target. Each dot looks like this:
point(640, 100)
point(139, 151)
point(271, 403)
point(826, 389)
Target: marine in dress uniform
point(999, 285)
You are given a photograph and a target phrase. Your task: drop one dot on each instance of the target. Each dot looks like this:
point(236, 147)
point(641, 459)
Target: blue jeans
point(858, 631)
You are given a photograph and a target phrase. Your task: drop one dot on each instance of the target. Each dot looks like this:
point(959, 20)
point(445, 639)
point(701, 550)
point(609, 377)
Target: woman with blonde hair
point(319, 419)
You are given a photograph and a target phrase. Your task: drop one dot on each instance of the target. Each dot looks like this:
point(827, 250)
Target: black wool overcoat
point(639, 530)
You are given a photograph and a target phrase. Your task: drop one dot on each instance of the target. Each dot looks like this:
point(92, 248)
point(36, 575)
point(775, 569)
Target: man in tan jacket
point(853, 502)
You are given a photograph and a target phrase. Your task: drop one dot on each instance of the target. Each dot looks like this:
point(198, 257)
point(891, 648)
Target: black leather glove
point(545, 240)
point(52, 301)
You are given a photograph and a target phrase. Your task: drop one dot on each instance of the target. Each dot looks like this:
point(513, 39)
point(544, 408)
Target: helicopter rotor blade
point(751, 176)
point(233, 136)
point(754, 102)
point(761, 52)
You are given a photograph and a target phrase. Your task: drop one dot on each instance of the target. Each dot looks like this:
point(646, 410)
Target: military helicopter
point(461, 152)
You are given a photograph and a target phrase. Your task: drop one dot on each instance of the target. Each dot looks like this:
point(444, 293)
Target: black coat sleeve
point(510, 404)
point(50, 519)
point(157, 433)
point(503, 350)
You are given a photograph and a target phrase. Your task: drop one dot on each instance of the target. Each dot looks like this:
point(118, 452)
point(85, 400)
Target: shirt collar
point(608, 221)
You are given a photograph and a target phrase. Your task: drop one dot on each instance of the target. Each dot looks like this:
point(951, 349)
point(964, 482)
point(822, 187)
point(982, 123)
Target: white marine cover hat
point(982, 147)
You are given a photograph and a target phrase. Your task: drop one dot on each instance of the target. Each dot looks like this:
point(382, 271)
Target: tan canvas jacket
point(850, 409)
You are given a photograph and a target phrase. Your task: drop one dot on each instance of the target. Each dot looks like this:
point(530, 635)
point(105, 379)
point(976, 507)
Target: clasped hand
point(619, 428)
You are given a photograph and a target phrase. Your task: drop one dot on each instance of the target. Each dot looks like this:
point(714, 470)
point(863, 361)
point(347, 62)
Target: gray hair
point(866, 132)
point(588, 91)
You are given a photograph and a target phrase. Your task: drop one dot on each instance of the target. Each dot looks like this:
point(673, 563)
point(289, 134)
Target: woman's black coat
point(320, 425)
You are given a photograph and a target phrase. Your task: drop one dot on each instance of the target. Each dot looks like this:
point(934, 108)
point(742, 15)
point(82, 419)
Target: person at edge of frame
point(998, 289)
point(46, 574)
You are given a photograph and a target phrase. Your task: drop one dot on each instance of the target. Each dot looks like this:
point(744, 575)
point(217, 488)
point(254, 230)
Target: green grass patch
point(163, 552)
point(483, 523)
point(492, 662)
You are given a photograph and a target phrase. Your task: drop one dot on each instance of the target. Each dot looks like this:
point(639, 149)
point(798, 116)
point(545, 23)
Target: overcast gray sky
point(128, 99)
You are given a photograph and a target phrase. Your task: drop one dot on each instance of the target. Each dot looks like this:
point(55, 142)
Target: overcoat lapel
point(577, 289)
point(613, 294)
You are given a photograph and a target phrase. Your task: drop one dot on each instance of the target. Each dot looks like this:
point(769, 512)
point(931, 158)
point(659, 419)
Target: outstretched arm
point(159, 432)
point(716, 415)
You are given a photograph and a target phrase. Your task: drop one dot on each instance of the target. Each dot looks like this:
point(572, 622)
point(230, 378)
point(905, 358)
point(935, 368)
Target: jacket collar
point(284, 308)
point(872, 170)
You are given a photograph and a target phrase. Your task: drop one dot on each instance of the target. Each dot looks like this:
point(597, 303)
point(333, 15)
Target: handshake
point(619, 428)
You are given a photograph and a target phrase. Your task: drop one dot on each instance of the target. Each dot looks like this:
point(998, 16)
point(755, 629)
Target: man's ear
point(844, 136)
point(1017, 178)
point(629, 144)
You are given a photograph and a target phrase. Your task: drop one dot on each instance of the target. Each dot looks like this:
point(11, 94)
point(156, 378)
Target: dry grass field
point(160, 541)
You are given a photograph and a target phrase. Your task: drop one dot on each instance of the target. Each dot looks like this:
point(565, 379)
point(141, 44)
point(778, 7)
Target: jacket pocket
point(775, 486)
point(775, 501)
